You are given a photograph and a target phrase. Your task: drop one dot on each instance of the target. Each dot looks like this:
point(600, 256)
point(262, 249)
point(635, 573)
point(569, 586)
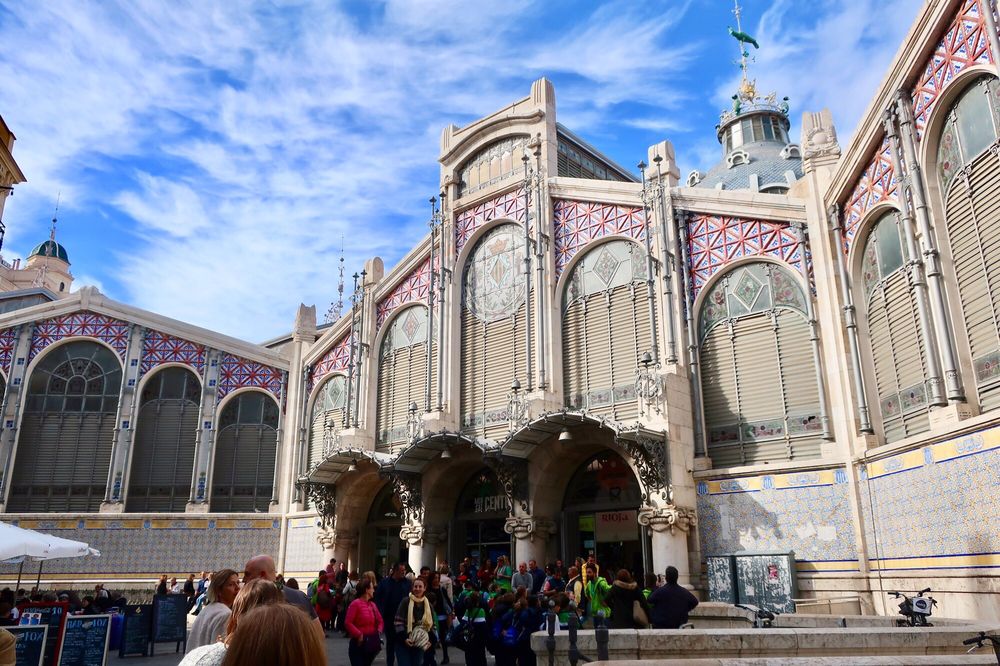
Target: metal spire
point(337, 308)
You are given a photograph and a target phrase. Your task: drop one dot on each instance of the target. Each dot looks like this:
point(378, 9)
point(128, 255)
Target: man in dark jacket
point(671, 603)
point(388, 596)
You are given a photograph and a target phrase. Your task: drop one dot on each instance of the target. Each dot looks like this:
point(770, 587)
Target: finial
point(55, 218)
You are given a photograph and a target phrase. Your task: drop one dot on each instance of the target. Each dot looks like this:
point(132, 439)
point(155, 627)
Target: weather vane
point(748, 88)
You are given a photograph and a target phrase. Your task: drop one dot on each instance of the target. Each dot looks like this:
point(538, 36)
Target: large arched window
point(494, 307)
point(165, 436)
point(327, 416)
point(68, 429)
point(758, 378)
point(402, 375)
point(969, 169)
point(897, 350)
point(605, 328)
point(245, 450)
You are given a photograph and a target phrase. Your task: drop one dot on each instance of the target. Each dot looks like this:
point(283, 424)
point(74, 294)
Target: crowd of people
point(415, 616)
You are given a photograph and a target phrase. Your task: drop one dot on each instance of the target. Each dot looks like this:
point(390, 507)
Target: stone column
point(344, 542)
point(422, 542)
point(12, 403)
point(204, 439)
point(669, 526)
point(531, 536)
point(121, 448)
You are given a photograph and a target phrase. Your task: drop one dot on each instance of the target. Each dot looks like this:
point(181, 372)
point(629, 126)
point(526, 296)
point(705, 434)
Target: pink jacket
point(363, 618)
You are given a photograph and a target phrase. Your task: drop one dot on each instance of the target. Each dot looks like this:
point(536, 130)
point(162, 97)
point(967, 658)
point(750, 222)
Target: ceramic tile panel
point(509, 205)
point(414, 288)
point(876, 184)
point(236, 373)
point(106, 329)
point(135, 545)
point(334, 360)
point(302, 551)
point(579, 222)
point(805, 512)
point(159, 348)
point(935, 505)
point(8, 340)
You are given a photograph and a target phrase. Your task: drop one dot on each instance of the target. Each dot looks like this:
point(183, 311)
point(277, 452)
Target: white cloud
point(253, 137)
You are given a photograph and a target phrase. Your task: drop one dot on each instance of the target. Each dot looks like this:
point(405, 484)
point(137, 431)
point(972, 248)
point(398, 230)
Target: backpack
point(323, 597)
point(350, 592)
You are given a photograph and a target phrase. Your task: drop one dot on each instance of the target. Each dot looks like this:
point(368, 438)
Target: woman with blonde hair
point(211, 622)
point(256, 593)
point(275, 635)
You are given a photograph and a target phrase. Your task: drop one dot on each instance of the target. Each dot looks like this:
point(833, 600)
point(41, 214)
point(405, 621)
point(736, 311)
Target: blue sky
point(211, 155)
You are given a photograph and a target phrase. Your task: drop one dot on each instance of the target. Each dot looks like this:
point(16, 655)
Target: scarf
point(425, 620)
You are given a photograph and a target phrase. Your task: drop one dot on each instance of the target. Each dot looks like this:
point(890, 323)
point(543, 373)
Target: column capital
point(529, 527)
point(669, 517)
point(329, 537)
point(418, 535)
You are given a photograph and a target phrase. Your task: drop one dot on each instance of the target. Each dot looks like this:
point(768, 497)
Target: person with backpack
point(475, 627)
point(346, 593)
point(323, 601)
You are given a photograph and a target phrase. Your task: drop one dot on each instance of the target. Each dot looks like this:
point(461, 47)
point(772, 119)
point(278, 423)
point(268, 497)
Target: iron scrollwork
point(650, 458)
point(512, 473)
point(323, 496)
point(407, 488)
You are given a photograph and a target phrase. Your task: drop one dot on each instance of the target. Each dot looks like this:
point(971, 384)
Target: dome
point(771, 163)
point(49, 248)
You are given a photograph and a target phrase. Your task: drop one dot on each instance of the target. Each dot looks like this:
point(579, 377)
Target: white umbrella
point(18, 544)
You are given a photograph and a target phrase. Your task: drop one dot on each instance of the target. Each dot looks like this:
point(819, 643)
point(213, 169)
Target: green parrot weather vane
point(748, 88)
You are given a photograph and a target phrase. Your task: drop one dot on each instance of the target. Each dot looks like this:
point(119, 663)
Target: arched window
point(68, 429)
point(327, 416)
point(894, 332)
point(494, 304)
point(605, 328)
point(969, 169)
point(402, 375)
point(245, 450)
point(165, 435)
point(758, 378)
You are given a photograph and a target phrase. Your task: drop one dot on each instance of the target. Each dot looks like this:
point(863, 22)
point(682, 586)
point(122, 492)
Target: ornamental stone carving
point(417, 535)
point(329, 538)
point(527, 527)
point(819, 140)
point(669, 517)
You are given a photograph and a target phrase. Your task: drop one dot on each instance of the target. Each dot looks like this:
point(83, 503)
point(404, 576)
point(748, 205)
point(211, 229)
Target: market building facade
point(797, 350)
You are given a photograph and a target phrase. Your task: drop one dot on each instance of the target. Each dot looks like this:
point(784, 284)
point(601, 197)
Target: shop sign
point(490, 504)
point(616, 525)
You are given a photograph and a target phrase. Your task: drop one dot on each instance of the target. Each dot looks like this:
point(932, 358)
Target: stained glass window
point(884, 252)
point(970, 128)
point(751, 288)
point(494, 285)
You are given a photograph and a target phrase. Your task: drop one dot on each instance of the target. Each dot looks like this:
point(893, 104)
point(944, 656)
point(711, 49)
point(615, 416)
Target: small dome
point(50, 248)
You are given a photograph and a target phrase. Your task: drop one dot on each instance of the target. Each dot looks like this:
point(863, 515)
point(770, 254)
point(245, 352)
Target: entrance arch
point(385, 519)
point(478, 525)
point(600, 514)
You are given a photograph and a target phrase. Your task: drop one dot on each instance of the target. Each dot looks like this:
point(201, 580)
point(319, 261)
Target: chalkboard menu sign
point(170, 619)
point(30, 646)
point(52, 615)
point(137, 631)
point(85, 640)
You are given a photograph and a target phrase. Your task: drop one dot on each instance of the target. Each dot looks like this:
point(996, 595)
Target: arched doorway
point(600, 514)
point(385, 519)
point(477, 529)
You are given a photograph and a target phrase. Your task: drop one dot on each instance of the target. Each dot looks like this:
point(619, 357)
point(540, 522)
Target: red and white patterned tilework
point(90, 324)
point(159, 348)
point(236, 373)
point(509, 206)
point(412, 289)
point(963, 44)
point(714, 241)
point(876, 184)
point(334, 360)
point(579, 222)
point(8, 340)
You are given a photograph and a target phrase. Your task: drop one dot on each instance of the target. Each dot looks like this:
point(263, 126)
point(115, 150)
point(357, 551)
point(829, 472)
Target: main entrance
point(479, 520)
point(381, 546)
point(600, 514)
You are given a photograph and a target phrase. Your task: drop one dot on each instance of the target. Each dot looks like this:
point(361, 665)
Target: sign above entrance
point(616, 526)
point(490, 504)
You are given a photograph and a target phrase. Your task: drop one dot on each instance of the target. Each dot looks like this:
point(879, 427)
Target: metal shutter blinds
point(222, 471)
point(973, 222)
point(163, 456)
point(798, 377)
point(334, 416)
point(758, 381)
point(720, 397)
point(575, 361)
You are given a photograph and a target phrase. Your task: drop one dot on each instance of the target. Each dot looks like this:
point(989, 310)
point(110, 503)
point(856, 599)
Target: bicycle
point(763, 618)
point(978, 642)
point(915, 610)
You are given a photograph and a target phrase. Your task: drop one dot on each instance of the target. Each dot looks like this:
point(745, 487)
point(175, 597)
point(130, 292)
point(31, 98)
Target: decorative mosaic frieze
point(8, 340)
point(159, 348)
point(495, 163)
point(90, 324)
point(335, 359)
point(876, 184)
point(964, 43)
point(505, 206)
point(236, 373)
point(714, 241)
point(480, 420)
point(579, 222)
point(603, 397)
point(414, 288)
